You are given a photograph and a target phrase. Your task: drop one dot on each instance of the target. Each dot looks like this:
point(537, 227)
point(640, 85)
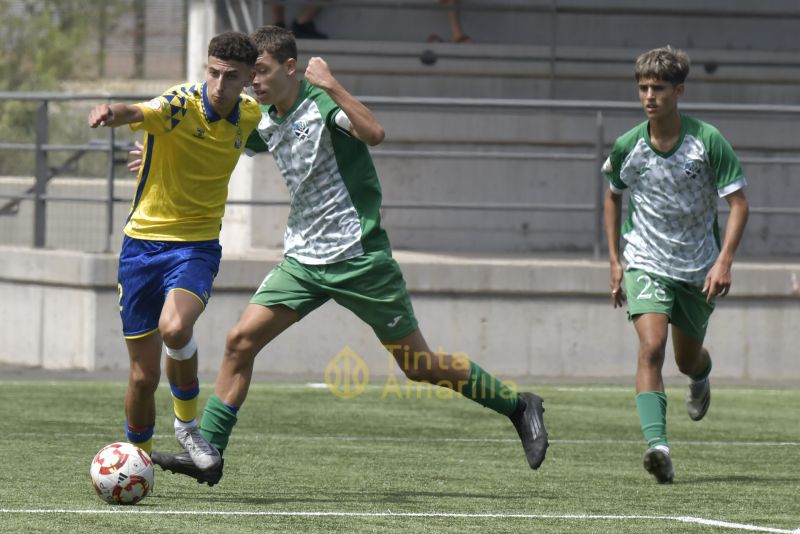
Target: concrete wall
point(518, 316)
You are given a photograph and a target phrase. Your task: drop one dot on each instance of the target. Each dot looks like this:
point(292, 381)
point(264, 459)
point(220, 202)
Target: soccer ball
point(122, 473)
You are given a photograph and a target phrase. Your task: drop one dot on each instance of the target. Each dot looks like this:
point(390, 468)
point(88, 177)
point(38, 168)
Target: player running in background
point(674, 167)
point(170, 254)
point(335, 248)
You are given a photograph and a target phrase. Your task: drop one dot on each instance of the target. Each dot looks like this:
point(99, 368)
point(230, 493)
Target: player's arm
point(612, 214)
point(114, 115)
point(363, 124)
point(255, 144)
point(718, 280)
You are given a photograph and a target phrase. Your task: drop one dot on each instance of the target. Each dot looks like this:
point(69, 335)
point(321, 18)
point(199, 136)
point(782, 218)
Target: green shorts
point(682, 302)
point(371, 286)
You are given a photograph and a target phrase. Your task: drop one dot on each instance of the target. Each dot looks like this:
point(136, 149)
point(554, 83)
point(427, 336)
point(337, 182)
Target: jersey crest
point(692, 169)
point(301, 130)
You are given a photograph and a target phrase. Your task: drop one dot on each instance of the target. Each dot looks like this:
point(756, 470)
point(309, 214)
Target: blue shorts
point(149, 270)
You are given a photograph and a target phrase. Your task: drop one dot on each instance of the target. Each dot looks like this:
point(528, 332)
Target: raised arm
point(612, 212)
point(718, 280)
point(364, 125)
point(114, 115)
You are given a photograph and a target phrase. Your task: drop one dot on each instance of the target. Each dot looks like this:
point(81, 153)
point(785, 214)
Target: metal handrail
point(43, 173)
point(446, 102)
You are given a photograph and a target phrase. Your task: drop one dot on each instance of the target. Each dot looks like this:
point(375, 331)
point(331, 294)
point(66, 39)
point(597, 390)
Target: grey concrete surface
point(548, 318)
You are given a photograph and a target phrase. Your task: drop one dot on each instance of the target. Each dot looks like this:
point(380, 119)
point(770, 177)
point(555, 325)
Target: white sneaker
point(699, 399)
point(204, 455)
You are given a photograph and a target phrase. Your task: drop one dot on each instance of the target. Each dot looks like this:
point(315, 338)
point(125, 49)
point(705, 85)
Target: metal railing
point(43, 172)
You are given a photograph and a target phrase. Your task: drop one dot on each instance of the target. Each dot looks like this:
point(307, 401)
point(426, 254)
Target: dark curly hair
point(233, 46)
point(275, 41)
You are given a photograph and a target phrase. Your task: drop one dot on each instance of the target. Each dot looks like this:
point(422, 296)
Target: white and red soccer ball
point(122, 473)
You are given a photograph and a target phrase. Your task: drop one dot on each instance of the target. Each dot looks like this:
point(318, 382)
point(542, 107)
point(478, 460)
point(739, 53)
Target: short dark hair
point(667, 64)
point(276, 41)
point(233, 46)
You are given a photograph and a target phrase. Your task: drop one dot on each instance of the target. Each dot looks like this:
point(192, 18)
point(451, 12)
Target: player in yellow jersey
point(194, 135)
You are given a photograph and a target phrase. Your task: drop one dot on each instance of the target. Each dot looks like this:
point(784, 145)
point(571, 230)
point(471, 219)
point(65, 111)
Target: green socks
point(218, 421)
point(489, 391)
point(652, 408)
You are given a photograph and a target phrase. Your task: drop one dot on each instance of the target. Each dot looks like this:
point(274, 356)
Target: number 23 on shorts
point(649, 289)
point(647, 293)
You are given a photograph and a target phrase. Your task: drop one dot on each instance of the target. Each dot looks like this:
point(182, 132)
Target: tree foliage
point(44, 41)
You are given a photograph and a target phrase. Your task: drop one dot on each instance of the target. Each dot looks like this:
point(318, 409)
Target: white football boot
point(204, 455)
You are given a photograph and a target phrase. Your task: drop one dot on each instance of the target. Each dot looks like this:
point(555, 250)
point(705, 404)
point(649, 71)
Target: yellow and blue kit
point(189, 155)
point(172, 232)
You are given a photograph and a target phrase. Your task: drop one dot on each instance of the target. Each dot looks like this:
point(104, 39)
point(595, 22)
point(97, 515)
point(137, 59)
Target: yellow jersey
point(188, 157)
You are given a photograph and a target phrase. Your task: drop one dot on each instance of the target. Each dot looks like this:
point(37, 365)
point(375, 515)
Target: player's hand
point(718, 281)
point(101, 116)
point(136, 153)
point(615, 282)
point(318, 73)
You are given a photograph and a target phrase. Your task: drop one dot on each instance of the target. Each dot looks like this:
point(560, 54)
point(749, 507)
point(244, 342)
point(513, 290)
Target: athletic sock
point(184, 400)
point(704, 374)
point(652, 408)
point(141, 436)
point(218, 421)
point(489, 391)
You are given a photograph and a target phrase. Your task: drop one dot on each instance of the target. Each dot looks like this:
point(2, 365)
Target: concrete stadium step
point(566, 72)
point(572, 128)
point(711, 24)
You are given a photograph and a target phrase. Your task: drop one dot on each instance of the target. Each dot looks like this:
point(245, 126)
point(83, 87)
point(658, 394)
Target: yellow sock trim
point(185, 410)
point(146, 446)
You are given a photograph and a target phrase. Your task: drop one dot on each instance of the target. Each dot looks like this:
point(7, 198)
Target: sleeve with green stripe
point(255, 144)
point(612, 166)
point(727, 169)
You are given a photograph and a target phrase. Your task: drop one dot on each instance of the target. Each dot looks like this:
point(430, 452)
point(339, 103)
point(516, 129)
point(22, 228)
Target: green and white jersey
point(335, 195)
point(671, 228)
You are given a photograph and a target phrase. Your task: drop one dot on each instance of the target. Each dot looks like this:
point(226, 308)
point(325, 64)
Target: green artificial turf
point(303, 460)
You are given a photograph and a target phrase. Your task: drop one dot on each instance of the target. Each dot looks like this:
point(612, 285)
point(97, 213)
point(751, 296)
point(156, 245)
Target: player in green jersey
point(334, 248)
point(675, 167)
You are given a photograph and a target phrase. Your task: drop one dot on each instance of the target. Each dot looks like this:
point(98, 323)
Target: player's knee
point(238, 344)
point(144, 381)
point(174, 331)
point(651, 350)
